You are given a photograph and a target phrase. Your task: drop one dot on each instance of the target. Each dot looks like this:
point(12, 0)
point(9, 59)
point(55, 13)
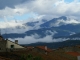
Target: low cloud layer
point(35, 39)
point(32, 39)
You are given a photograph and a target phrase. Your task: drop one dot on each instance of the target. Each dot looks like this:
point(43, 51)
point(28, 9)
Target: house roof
point(78, 46)
point(1, 36)
point(14, 43)
point(30, 47)
point(73, 53)
point(43, 48)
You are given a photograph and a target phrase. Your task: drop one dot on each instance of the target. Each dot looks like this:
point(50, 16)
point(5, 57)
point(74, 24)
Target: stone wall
point(3, 46)
point(17, 46)
point(78, 57)
point(15, 49)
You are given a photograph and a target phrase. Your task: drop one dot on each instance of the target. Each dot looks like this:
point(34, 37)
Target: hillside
point(55, 45)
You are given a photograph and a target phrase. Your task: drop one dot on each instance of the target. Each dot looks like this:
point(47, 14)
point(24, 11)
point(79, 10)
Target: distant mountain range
point(62, 27)
point(54, 22)
point(55, 45)
point(57, 25)
point(61, 31)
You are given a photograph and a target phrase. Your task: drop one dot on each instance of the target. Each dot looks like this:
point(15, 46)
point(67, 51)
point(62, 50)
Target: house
point(29, 48)
point(1, 38)
point(78, 48)
point(7, 45)
point(76, 54)
point(69, 49)
point(72, 49)
point(42, 49)
point(78, 57)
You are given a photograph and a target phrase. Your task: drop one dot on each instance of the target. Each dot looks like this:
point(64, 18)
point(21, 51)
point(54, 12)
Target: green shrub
point(37, 58)
point(30, 57)
point(23, 57)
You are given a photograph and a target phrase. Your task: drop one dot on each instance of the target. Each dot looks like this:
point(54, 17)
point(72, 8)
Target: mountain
point(56, 32)
point(54, 22)
point(34, 23)
point(61, 27)
point(55, 45)
point(31, 23)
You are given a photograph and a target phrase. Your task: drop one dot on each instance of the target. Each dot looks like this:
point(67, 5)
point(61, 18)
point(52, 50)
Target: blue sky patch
point(69, 1)
point(23, 17)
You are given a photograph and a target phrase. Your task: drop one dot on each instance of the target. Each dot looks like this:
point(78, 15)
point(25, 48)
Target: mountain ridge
point(62, 31)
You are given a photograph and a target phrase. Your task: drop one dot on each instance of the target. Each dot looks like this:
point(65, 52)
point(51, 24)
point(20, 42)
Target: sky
point(26, 9)
point(17, 12)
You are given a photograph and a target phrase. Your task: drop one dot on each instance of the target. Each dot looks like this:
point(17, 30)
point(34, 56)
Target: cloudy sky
point(26, 9)
point(16, 12)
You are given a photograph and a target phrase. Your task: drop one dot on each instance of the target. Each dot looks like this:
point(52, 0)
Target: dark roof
point(43, 48)
point(1, 36)
point(78, 46)
point(73, 53)
point(30, 47)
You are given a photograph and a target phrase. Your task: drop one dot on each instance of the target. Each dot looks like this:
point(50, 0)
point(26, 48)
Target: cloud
point(32, 39)
point(19, 26)
point(68, 9)
point(41, 7)
point(48, 8)
point(11, 3)
point(8, 12)
point(36, 38)
point(10, 24)
point(14, 26)
point(54, 7)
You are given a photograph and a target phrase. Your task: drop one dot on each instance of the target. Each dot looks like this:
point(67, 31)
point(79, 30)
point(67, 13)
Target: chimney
point(45, 47)
point(16, 41)
point(1, 38)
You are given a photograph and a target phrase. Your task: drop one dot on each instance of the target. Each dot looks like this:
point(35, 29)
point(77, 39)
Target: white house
point(78, 57)
point(7, 45)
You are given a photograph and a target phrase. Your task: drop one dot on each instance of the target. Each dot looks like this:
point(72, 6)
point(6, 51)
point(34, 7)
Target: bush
point(23, 57)
point(37, 58)
point(30, 57)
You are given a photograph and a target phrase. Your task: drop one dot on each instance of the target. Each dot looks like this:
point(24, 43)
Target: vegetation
point(58, 54)
point(30, 57)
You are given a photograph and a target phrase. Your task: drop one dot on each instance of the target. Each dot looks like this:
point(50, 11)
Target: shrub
point(30, 57)
point(37, 58)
